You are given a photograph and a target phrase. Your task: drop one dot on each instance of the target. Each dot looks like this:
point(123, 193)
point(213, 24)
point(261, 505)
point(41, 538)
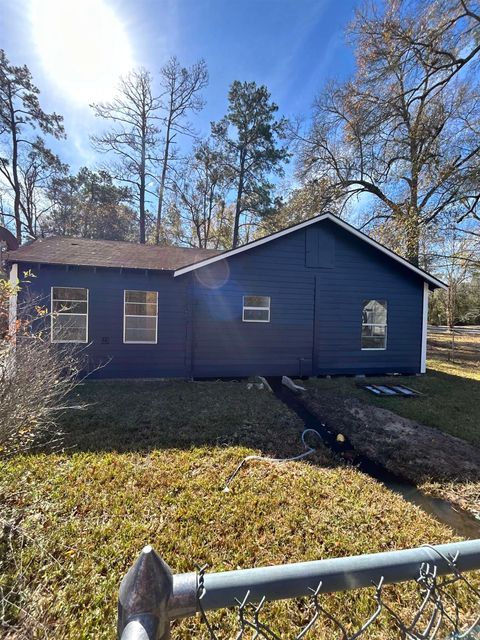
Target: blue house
point(317, 298)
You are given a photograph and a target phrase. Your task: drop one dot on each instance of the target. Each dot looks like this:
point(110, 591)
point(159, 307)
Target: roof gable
point(326, 216)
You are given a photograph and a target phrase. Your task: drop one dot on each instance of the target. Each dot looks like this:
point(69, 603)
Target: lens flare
point(215, 275)
point(82, 45)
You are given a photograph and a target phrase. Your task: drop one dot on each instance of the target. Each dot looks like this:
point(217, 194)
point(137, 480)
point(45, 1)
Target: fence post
point(143, 599)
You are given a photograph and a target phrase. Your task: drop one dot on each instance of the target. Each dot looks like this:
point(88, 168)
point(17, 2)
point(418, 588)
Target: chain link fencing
point(151, 597)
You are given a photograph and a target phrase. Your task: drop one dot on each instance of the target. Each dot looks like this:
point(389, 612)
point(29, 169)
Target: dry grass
point(466, 495)
point(146, 464)
point(456, 348)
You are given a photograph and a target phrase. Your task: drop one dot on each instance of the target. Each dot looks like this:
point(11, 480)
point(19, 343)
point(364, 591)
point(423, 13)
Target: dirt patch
point(411, 450)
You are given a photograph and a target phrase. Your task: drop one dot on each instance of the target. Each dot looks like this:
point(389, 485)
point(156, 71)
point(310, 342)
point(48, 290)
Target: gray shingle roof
point(107, 253)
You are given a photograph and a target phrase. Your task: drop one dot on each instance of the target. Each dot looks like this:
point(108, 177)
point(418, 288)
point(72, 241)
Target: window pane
point(140, 323)
point(373, 342)
point(374, 321)
point(140, 309)
point(140, 335)
point(141, 296)
point(69, 293)
point(141, 329)
point(256, 314)
point(140, 316)
point(256, 301)
point(375, 311)
point(69, 328)
point(68, 306)
point(374, 330)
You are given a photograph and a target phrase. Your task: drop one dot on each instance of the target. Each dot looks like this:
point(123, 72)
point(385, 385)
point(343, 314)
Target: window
point(374, 324)
point(256, 308)
point(140, 317)
point(69, 314)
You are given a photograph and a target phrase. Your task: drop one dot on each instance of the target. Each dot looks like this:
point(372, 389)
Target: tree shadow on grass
point(141, 416)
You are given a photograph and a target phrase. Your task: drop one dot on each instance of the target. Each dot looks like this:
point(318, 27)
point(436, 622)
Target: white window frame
point(375, 324)
point(59, 313)
point(131, 315)
point(256, 308)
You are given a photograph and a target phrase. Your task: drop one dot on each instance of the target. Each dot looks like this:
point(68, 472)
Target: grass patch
point(145, 463)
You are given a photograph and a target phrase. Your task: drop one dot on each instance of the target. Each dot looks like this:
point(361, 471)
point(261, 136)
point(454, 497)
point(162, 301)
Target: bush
point(36, 376)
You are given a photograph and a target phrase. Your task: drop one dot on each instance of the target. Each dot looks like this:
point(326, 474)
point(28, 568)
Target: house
point(317, 298)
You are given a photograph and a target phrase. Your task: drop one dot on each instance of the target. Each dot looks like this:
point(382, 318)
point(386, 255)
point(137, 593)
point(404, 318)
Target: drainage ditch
point(460, 521)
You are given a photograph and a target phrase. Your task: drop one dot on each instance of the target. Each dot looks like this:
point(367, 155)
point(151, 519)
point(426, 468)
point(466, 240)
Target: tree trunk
point(163, 179)
point(16, 182)
point(412, 237)
point(238, 204)
point(161, 192)
point(142, 183)
point(142, 210)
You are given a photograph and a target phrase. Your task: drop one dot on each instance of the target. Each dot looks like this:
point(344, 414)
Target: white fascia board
point(423, 356)
point(246, 247)
point(388, 252)
point(326, 216)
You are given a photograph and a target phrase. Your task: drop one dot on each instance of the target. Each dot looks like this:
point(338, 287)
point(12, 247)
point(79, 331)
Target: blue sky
point(76, 49)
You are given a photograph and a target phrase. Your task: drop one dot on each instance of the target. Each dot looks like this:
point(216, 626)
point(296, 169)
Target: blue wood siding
point(362, 274)
point(224, 345)
point(316, 313)
point(317, 279)
point(106, 286)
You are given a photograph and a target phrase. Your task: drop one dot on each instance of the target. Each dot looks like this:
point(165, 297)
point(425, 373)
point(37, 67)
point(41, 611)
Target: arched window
point(374, 324)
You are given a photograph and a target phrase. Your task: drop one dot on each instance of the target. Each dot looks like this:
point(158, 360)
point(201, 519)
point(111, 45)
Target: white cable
point(308, 452)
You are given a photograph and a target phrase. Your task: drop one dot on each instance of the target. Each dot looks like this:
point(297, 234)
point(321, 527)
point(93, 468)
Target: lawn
point(146, 462)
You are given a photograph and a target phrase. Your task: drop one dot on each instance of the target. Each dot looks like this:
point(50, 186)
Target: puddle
point(461, 522)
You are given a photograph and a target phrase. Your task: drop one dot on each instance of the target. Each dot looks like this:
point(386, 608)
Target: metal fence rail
point(465, 330)
point(151, 596)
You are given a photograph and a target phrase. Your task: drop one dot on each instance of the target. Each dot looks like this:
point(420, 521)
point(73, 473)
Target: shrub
point(36, 376)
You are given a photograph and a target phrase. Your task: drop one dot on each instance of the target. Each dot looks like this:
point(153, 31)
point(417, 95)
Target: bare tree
point(456, 255)
point(200, 190)
point(20, 114)
point(180, 97)
point(133, 139)
point(449, 34)
point(405, 130)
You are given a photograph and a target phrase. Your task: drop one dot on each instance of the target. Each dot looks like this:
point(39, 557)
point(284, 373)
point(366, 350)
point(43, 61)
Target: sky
point(77, 49)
